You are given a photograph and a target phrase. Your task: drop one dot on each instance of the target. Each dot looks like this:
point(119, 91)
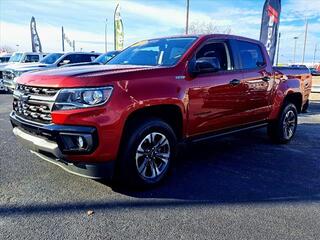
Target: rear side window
point(250, 55)
point(32, 58)
point(78, 58)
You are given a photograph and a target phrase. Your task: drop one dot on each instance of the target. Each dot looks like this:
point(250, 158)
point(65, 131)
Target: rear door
point(257, 79)
point(217, 100)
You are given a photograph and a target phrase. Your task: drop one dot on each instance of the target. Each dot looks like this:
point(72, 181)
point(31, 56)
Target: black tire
point(305, 107)
point(137, 137)
point(278, 130)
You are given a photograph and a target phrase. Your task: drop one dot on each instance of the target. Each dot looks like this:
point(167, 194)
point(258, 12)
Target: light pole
point(294, 50)
point(314, 54)
point(277, 62)
point(187, 18)
point(305, 41)
point(105, 35)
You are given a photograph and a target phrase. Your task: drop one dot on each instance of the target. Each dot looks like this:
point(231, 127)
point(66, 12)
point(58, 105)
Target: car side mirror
point(207, 65)
point(64, 62)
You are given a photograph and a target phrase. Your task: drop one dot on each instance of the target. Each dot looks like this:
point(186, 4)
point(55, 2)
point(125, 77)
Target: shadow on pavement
point(245, 168)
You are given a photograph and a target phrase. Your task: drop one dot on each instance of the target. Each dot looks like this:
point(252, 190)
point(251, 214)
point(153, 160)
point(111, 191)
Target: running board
point(226, 132)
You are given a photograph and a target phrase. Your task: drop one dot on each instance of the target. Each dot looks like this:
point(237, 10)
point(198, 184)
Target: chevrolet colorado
point(125, 119)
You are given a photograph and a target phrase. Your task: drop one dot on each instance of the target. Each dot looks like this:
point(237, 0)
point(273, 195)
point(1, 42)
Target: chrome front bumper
point(37, 144)
point(9, 84)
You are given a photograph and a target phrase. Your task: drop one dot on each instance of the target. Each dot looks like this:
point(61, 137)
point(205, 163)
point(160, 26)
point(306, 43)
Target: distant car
point(52, 60)
point(314, 72)
point(16, 58)
point(298, 66)
point(102, 59)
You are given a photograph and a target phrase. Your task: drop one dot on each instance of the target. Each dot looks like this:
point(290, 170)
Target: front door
point(216, 100)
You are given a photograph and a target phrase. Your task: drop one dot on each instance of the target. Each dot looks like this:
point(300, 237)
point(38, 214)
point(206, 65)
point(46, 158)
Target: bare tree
point(198, 27)
point(6, 48)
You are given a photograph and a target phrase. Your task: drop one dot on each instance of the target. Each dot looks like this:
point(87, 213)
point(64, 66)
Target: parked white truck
point(19, 57)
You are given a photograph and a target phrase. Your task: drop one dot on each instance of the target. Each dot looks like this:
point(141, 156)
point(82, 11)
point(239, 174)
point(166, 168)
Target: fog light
point(76, 142)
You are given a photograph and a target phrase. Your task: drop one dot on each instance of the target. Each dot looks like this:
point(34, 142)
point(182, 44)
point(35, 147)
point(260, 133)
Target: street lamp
point(294, 50)
point(105, 36)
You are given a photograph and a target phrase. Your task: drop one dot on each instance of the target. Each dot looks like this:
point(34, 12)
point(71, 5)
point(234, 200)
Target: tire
point(305, 107)
point(147, 152)
point(283, 129)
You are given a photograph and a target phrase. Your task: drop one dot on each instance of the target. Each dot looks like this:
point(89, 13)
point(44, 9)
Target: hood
point(25, 67)
point(3, 65)
point(85, 76)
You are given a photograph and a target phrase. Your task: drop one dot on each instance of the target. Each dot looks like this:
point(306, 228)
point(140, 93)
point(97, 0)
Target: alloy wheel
point(152, 156)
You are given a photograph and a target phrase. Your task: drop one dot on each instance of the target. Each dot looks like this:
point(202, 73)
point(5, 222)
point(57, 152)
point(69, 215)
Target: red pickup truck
point(125, 119)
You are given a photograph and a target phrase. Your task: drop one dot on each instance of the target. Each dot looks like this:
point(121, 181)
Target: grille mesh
point(34, 103)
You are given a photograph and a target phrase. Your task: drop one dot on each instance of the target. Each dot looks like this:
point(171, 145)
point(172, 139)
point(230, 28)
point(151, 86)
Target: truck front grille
point(34, 103)
point(8, 75)
point(37, 90)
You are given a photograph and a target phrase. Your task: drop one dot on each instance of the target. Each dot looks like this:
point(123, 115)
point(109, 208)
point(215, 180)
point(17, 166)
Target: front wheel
point(283, 129)
point(147, 153)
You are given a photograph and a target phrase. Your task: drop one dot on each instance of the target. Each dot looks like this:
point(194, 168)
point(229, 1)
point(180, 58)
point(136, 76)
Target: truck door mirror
point(207, 65)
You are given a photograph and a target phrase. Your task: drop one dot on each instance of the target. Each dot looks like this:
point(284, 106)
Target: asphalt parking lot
point(239, 187)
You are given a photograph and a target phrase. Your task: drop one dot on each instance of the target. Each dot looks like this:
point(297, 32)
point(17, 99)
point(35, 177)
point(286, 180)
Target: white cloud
point(15, 34)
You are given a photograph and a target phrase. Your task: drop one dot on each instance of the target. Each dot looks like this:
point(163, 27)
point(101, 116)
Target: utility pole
point(74, 45)
point(62, 39)
point(278, 48)
point(187, 18)
point(305, 41)
point(314, 54)
point(294, 50)
point(105, 36)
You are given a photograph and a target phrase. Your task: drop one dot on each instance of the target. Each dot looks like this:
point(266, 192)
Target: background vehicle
point(52, 60)
point(5, 57)
point(18, 57)
point(127, 117)
point(314, 72)
point(102, 59)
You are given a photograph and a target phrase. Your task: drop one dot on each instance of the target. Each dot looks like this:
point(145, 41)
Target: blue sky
point(84, 21)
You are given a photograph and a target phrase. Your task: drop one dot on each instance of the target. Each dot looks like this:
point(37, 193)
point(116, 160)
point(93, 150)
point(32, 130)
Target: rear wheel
point(147, 153)
point(283, 129)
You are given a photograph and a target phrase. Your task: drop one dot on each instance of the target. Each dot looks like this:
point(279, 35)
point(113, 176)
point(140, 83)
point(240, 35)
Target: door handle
point(266, 78)
point(235, 82)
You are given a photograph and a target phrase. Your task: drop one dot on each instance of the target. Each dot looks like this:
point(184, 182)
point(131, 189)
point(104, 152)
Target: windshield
point(105, 57)
point(51, 58)
point(16, 57)
point(158, 52)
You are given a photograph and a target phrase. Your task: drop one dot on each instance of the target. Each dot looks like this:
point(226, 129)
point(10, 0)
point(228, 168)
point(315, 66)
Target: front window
point(16, 57)
point(51, 58)
point(157, 52)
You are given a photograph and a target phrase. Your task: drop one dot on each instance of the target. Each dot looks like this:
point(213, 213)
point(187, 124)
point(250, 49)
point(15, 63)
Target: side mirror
point(207, 65)
point(64, 62)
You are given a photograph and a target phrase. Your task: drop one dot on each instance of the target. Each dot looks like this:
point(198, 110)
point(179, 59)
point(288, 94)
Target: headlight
point(82, 98)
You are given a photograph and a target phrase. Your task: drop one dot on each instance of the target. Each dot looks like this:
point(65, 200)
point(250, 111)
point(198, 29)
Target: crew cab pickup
point(127, 118)
point(52, 60)
point(17, 58)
